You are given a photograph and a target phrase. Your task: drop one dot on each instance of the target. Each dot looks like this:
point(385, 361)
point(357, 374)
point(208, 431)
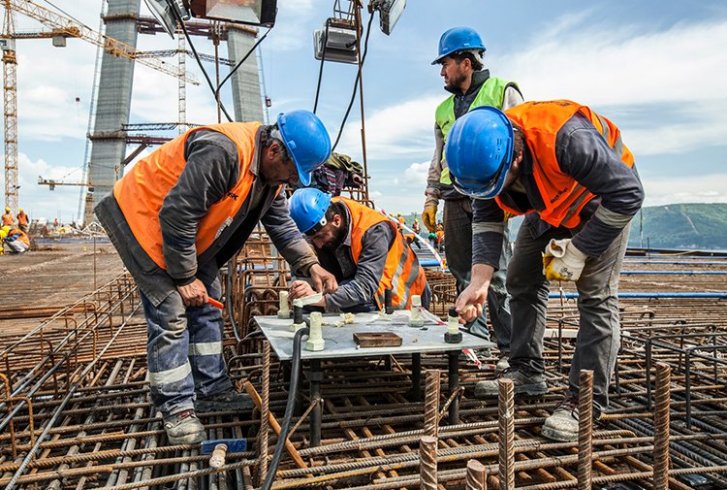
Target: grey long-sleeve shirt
point(357, 282)
point(583, 154)
point(436, 190)
point(211, 170)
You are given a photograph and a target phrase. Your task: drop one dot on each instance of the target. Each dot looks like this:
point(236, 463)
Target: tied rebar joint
point(662, 395)
point(585, 429)
point(431, 404)
point(506, 423)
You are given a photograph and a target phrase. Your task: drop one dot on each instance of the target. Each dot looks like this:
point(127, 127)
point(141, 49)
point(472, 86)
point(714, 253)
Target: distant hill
point(681, 226)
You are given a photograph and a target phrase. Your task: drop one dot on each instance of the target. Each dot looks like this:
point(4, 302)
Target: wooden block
point(376, 339)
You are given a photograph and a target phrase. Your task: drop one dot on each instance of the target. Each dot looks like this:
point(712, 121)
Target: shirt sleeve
point(585, 155)
point(511, 97)
point(211, 170)
point(375, 246)
point(286, 237)
point(435, 167)
point(488, 229)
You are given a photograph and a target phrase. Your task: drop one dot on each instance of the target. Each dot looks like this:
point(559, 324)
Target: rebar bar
point(476, 476)
point(264, 414)
point(431, 403)
point(585, 429)
point(662, 397)
point(506, 420)
point(428, 462)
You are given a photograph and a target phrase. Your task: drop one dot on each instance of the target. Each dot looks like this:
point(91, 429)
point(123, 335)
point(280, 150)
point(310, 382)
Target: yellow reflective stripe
point(205, 348)
point(170, 375)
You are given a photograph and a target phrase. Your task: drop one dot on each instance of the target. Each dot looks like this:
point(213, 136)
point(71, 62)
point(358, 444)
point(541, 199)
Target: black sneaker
point(525, 384)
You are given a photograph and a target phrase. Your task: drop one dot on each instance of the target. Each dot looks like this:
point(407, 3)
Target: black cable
point(292, 393)
point(211, 85)
point(355, 85)
point(320, 69)
point(239, 63)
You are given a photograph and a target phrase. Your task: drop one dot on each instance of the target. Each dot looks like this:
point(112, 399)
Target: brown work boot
point(524, 384)
point(563, 424)
point(184, 428)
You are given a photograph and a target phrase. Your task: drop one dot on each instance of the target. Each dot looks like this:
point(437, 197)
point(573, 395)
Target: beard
point(455, 82)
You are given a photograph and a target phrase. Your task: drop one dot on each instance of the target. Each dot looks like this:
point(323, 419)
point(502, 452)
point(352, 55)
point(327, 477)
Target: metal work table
point(340, 344)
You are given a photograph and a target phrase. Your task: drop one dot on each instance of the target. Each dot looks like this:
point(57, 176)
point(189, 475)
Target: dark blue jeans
point(184, 351)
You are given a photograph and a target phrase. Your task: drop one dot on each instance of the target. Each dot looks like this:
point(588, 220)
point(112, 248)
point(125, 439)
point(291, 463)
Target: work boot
point(503, 363)
point(225, 401)
point(184, 428)
point(563, 424)
point(525, 384)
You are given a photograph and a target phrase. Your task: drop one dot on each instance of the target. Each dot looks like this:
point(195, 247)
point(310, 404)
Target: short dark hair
point(460, 56)
point(518, 143)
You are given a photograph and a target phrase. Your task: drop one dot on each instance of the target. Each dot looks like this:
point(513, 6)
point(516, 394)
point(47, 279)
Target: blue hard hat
point(306, 140)
point(479, 152)
point(308, 208)
point(458, 39)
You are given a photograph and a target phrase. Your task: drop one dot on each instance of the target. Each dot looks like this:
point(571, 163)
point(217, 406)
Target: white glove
point(563, 261)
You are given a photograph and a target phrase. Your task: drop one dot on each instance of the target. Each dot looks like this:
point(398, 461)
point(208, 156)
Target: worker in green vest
point(461, 52)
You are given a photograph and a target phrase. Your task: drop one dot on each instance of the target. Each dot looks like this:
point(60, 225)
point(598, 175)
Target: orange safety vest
point(563, 196)
point(8, 219)
point(402, 272)
point(140, 193)
point(22, 219)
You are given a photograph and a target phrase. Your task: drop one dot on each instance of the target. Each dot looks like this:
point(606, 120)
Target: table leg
point(416, 378)
point(316, 415)
point(453, 386)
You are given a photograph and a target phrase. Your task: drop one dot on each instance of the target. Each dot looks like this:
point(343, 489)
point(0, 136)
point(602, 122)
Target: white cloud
point(417, 173)
point(699, 188)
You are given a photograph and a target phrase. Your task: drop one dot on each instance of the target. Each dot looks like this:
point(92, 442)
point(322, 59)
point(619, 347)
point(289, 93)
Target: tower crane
point(61, 27)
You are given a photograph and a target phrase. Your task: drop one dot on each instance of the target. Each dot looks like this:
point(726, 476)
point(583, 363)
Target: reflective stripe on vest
point(141, 192)
point(563, 196)
point(402, 272)
point(491, 93)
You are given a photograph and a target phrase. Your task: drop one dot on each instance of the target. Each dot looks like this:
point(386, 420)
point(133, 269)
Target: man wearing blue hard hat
point(363, 249)
point(180, 214)
point(567, 169)
point(461, 53)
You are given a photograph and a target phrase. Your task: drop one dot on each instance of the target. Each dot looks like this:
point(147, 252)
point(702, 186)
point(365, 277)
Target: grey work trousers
point(599, 333)
point(458, 240)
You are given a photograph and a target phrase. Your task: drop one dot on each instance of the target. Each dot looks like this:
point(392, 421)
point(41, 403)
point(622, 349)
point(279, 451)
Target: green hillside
point(682, 226)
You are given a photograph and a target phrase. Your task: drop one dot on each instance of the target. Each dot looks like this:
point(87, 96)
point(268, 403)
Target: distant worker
point(461, 53)
point(180, 214)
point(415, 226)
point(364, 251)
point(16, 239)
point(440, 236)
point(23, 220)
point(8, 219)
point(566, 168)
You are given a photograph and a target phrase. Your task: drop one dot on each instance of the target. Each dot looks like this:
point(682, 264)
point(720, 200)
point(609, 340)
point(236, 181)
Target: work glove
point(562, 261)
point(429, 215)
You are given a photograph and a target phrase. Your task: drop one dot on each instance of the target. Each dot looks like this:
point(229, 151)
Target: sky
point(655, 68)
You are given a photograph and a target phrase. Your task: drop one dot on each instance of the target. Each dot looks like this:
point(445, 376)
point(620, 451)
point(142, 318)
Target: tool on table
point(215, 303)
point(416, 319)
point(315, 340)
point(453, 335)
point(376, 339)
point(308, 300)
point(283, 308)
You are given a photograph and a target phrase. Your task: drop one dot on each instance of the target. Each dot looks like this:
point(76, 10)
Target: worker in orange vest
point(362, 248)
point(23, 220)
point(180, 214)
point(568, 170)
point(8, 219)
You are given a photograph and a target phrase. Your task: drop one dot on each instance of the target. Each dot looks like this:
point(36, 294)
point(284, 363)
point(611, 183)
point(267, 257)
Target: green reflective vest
point(491, 93)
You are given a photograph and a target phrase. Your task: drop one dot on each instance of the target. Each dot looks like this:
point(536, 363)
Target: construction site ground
point(75, 409)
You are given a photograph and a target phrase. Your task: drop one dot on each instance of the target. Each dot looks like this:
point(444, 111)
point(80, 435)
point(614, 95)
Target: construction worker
point(16, 239)
point(23, 220)
point(8, 219)
point(177, 217)
point(461, 52)
point(566, 168)
point(362, 248)
point(415, 226)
